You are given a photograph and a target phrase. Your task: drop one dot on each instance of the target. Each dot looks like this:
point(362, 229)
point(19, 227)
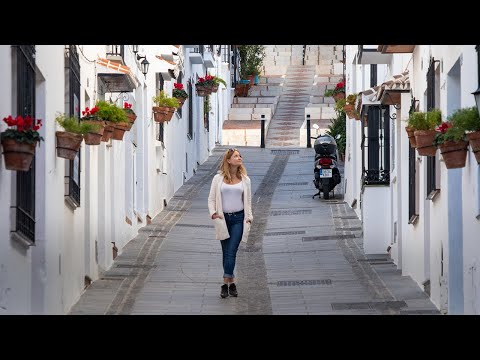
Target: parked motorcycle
point(326, 172)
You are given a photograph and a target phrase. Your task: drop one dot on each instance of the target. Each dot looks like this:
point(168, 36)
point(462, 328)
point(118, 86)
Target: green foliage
point(218, 81)
point(179, 93)
point(251, 59)
point(163, 100)
point(27, 136)
point(70, 124)
point(110, 112)
point(351, 99)
point(340, 104)
point(453, 133)
point(339, 127)
point(425, 121)
point(466, 119)
point(206, 104)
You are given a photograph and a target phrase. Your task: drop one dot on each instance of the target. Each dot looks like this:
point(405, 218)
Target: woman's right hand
point(216, 216)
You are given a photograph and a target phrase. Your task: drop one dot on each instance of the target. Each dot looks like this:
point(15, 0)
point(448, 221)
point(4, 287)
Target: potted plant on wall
point(19, 141)
point(69, 141)
point(450, 139)
point(338, 92)
point(425, 132)
point(180, 94)
point(115, 117)
point(468, 119)
point(90, 117)
point(127, 107)
point(165, 107)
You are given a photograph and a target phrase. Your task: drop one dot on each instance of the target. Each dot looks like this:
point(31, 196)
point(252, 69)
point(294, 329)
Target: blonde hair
point(225, 166)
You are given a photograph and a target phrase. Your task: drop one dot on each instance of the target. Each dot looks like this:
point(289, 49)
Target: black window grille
point(190, 110)
point(431, 170)
point(226, 53)
point(116, 50)
point(373, 75)
point(219, 50)
point(200, 49)
point(160, 86)
point(73, 79)
point(206, 112)
point(376, 146)
point(412, 206)
point(25, 191)
point(179, 80)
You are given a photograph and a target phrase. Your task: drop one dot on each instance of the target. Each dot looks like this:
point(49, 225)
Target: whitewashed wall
point(449, 222)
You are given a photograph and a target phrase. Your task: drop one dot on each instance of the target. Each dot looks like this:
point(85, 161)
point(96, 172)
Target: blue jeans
point(230, 245)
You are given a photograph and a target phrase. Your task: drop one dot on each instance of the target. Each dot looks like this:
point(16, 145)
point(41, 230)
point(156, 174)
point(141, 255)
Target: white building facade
point(425, 215)
point(63, 221)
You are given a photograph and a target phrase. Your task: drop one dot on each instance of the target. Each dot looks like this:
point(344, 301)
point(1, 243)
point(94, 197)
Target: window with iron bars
point(25, 184)
point(431, 160)
point(225, 53)
point(72, 80)
point(376, 146)
point(116, 51)
point(412, 196)
point(160, 83)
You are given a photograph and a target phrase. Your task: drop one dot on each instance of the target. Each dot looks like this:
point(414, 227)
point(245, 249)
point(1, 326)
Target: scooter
point(326, 172)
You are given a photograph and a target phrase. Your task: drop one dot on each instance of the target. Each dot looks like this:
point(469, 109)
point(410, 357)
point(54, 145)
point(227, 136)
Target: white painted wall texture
point(449, 222)
point(122, 182)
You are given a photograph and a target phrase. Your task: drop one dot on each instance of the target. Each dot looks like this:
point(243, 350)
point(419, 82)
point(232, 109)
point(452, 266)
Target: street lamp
point(135, 49)
point(144, 64)
point(476, 93)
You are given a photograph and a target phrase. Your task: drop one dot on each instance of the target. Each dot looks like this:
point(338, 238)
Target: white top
point(232, 197)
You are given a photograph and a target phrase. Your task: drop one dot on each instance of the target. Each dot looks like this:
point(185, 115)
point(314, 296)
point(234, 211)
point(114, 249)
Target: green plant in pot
point(450, 139)
point(425, 132)
point(179, 94)
point(165, 107)
point(69, 141)
point(115, 118)
point(468, 120)
point(251, 61)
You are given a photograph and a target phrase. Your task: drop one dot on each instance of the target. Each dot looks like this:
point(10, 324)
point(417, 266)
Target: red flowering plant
point(90, 114)
point(23, 129)
point(207, 81)
point(339, 88)
point(129, 112)
point(178, 91)
point(447, 131)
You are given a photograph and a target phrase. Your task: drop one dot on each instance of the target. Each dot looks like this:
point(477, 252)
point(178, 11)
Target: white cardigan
point(215, 206)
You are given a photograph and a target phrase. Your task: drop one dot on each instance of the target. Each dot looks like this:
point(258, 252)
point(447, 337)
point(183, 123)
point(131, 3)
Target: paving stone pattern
point(303, 256)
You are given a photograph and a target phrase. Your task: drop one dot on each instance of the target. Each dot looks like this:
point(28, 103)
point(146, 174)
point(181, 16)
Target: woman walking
point(230, 207)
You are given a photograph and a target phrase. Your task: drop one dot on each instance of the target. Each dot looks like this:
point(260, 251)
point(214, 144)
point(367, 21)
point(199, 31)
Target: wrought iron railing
point(431, 167)
point(116, 50)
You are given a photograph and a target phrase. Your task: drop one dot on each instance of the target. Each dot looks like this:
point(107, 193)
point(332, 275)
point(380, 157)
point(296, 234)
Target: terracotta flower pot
point(68, 144)
point(474, 140)
point(107, 131)
point(411, 136)
point(338, 96)
point(181, 101)
point(424, 140)
point(163, 113)
point(454, 153)
point(119, 130)
point(94, 138)
point(130, 115)
point(18, 156)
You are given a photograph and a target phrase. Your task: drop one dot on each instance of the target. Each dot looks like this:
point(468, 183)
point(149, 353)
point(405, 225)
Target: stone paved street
point(304, 255)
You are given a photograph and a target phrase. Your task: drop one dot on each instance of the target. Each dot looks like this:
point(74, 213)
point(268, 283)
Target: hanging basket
point(163, 113)
point(107, 131)
point(94, 138)
point(18, 156)
point(339, 96)
point(130, 115)
point(474, 140)
point(411, 136)
point(181, 101)
point(349, 110)
point(119, 130)
point(424, 140)
point(214, 88)
point(68, 144)
point(454, 153)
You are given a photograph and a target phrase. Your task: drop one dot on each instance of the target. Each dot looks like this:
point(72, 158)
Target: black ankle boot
point(232, 289)
point(224, 291)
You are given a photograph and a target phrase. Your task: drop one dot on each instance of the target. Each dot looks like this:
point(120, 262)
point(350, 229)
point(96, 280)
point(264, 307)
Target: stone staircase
point(287, 92)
